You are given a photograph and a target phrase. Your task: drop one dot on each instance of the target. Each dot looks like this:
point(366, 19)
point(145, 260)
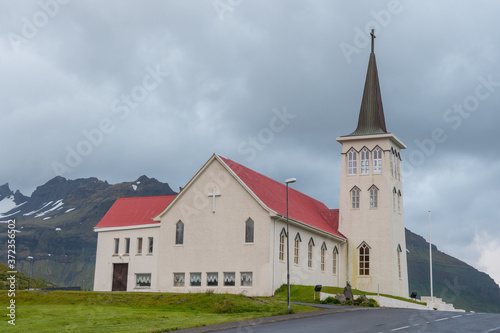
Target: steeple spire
point(371, 115)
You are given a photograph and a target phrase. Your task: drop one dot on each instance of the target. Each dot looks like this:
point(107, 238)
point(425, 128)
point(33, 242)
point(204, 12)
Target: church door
point(120, 272)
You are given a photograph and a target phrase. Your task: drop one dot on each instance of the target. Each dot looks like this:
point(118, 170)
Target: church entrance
point(120, 272)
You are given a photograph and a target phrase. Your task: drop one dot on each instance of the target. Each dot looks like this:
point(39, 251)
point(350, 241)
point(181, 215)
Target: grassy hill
point(21, 280)
point(454, 281)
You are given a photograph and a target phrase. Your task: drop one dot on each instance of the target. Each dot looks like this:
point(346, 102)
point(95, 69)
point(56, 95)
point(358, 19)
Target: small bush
point(349, 302)
point(359, 300)
point(330, 300)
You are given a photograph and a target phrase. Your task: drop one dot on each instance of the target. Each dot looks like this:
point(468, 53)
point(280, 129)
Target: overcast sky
point(119, 89)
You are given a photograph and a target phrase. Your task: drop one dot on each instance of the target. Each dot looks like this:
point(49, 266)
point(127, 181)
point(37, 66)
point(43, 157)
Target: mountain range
point(55, 226)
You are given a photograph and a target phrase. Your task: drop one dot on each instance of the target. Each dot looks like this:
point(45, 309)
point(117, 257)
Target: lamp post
point(288, 181)
point(30, 258)
point(430, 257)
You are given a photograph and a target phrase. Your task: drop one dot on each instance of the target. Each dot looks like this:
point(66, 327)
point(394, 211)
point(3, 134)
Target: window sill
point(115, 255)
point(178, 245)
point(248, 243)
point(126, 254)
point(142, 288)
point(138, 254)
point(149, 254)
point(364, 276)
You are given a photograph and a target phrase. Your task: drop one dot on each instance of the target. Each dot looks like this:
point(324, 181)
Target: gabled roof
point(135, 211)
point(272, 194)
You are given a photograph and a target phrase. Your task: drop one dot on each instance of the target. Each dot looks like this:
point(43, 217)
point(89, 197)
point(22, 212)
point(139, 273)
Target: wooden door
point(120, 272)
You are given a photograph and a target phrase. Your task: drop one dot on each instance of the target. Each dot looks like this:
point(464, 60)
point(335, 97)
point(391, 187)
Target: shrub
point(329, 300)
point(349, 302)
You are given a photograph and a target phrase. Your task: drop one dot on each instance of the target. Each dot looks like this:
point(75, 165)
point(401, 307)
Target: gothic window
point(127, 245)
point(229, 279)
point(310, 253)
point(373, 197)
point(143, 280)
point(392, 162)
point(377, 160)
point(296, 249)
point(399, 260)
point(334, 260)
point(323, 250)
point(352, 156)
point(246, 279)
point(282, 245)
point(195, 279)
point(117, 245)
point(179, 233)
point(399, 201)
point(139, 245)
point(179, 279)
point(355, 197)
point(394, 195)
point(397, 164)
point(150, 245)
point(364, 259)
point(212, 279)
point(365, 161)
point(249, 231)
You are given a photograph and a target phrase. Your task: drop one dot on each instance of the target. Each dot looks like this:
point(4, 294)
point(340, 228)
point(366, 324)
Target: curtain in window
point(143, 280)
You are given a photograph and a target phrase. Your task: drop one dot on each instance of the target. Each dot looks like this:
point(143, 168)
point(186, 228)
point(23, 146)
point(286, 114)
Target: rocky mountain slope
point(56, 226)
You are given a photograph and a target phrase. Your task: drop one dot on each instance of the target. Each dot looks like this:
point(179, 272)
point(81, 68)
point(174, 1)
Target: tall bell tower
point(371, 198)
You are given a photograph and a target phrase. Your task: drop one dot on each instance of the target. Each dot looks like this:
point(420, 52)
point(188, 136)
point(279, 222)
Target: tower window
point(355, 197)
point(373, 197)
point(364, 259)
point(365, 161)
point(377, 160)
point(399, 260)
point(353, 163)
point(394, 195)
point(399, 201)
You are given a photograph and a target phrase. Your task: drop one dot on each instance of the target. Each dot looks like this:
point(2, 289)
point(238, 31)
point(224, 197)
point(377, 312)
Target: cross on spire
point(373, 38)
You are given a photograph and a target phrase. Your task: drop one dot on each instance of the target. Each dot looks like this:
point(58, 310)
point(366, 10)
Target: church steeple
point(371, 115)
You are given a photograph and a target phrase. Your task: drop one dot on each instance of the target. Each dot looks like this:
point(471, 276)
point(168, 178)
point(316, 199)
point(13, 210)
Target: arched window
point(364, 259)
point(249, 231)
point(399, 260)
point(399, 201)
point(323, 250)
point(310, 253)
point(392, 162)
point(355, 197)
point(365, 161)
point(334, 260)
point(394, 198)
point(179, 233)
point(373, 197)
point(397, 161)
point(352, 156)
point(282, 245)
point(377, 160)
point(296, 249)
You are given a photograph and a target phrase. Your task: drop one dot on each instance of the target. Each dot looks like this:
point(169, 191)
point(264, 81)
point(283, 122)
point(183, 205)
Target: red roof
point(300, 206)
point(134, 211)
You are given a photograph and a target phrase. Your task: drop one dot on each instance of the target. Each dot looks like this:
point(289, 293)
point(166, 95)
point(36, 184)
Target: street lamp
point(288, 181)
point(430, 257)
point(30, 258)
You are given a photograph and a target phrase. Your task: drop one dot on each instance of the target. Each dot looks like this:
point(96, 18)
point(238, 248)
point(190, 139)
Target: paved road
point(384, 320)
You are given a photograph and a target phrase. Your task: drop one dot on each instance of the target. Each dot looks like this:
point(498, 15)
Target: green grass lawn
point(306, 293)
point(40, 311)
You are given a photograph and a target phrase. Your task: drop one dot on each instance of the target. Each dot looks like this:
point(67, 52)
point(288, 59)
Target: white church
point(226, 229)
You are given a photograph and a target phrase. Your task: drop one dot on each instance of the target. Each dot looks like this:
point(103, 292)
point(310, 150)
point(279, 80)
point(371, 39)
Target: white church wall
point(301, 273)
point(382, 228)
point(138, 263)
point(214, 242)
